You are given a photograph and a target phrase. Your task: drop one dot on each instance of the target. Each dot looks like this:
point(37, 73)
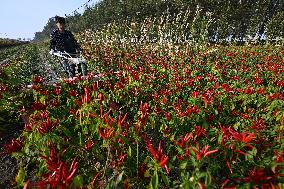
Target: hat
point(59, 19)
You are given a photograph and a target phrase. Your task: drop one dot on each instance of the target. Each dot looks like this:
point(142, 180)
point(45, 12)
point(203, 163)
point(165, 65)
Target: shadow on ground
point(8, 164)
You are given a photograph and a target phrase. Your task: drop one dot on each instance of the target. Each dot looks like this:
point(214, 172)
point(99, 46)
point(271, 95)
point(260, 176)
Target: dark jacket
point(63, 41)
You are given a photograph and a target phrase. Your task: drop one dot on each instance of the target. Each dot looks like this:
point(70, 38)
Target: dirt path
point(8, 164)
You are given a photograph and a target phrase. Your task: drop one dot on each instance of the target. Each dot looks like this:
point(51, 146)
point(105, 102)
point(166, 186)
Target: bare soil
point(8, 164)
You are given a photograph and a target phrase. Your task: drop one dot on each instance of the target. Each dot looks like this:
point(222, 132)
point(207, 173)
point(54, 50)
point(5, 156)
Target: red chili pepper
point(87, 95)
point(73, 169)
point(57, 91)
point(121, 120)
point(38, 106)
point(168, 116)
point(183, 140)
point(106, 134)
point(89, 145)
point(158, 155)
point(72, 111)
point(58, 175)
point(47, 126)
point(95, 179)
point(101, 97)
point(37, 79)
point(73, 93)
point(95, 86)
point(244, 137)
point(28, 127)
point(200, 153)
point(144, 110)
point(14, 146)
point(229, 166)
point(258, 80)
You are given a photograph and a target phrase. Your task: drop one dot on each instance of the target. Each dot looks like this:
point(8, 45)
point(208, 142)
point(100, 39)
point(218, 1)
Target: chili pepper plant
point(159, 116)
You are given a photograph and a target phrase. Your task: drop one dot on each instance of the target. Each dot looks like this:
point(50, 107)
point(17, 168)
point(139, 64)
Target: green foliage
point(210, 21)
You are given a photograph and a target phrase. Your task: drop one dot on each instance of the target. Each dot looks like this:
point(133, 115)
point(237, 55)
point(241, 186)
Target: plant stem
point(137, 158)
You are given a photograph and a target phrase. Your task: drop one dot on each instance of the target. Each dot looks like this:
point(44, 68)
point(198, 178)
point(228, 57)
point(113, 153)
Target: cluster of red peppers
point(59, 174)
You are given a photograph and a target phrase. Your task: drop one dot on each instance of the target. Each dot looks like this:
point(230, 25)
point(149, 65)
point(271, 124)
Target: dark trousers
point(69, 69)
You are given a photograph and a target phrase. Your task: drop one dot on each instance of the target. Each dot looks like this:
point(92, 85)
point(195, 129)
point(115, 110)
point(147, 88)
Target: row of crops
point(162, 116)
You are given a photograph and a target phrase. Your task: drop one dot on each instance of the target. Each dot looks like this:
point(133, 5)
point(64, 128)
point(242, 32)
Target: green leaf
point(208, 179)
point(220, 138)
point(254, 151)
point(237, 125)
point(249, 157)
point(80, 138)
point(20, 177)
point(78, 181)
point(155, 180)
point(280, 116)
point(119, 178)
point(166, 180)
point(216, 112)
point(124, 139)
point(66, 132)
point(147, 173)
point(129, 152)
point(183, 165)
point(205, 124)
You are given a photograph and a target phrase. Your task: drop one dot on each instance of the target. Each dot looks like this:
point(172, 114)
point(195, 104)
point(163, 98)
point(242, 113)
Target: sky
point(22, 18)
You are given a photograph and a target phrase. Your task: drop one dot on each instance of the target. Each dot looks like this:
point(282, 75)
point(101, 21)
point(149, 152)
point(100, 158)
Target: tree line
point(5, 42)
point(228, 20)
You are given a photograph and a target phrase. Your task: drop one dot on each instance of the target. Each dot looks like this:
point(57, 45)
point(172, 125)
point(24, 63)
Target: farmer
point(63, 40)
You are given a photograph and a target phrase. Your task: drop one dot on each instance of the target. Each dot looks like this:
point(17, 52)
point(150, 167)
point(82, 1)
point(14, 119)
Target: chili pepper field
point(160, 116)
